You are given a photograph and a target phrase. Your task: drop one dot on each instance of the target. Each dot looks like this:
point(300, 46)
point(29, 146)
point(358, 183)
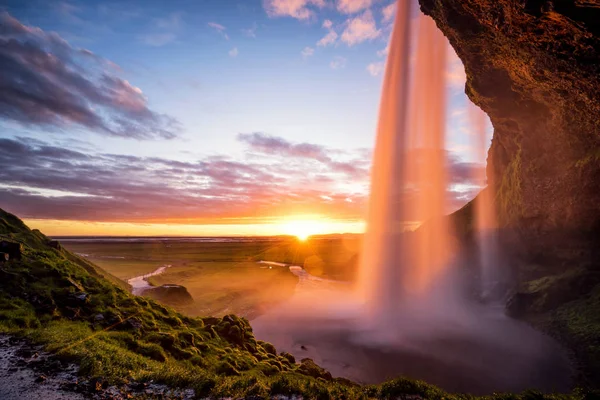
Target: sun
point(302, 229)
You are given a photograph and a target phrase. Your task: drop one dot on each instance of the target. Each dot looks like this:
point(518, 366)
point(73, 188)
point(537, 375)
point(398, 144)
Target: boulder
point(14, 250)
point(55, 244)
point(170, 294)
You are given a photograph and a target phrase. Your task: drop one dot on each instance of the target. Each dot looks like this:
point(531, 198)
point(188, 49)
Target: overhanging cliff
point(534, 68)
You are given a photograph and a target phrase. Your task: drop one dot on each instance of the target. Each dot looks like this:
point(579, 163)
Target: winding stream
point(140, 283)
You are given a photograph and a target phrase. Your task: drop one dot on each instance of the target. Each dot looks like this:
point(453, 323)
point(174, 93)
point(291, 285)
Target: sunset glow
point(293, 227)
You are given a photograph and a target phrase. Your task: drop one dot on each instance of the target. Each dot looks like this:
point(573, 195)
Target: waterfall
point(409, 173)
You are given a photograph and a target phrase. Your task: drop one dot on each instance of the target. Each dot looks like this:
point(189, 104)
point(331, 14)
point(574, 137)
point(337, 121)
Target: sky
point(213, 117)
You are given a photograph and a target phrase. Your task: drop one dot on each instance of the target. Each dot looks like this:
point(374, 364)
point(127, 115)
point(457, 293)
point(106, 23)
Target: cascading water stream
point(485, 212)
point(408, 180)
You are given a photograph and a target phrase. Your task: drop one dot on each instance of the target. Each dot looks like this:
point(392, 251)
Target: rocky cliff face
point(534, 67)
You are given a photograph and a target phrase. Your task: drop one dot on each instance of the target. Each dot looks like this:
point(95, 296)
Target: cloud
point(376, 68)
point(338, 62)
point(250, 32)
point(360, 29)
point(157, 39)
point(328, 39)
point(233, 52)
point(307, 52)
point(389, 12)
point(455, 72)
point(384, 52)
point(353, 6)
point(168, 26)
point(39, 180)
point(46, 82)
point(273, 145)
point(173, 22)
point(219, 28)
point(277, 177)
point(299, 9)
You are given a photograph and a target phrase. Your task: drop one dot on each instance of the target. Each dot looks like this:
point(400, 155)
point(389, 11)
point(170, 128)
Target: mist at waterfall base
point(412, 311)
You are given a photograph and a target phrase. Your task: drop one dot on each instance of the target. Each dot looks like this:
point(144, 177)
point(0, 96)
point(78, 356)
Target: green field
point(224, 277)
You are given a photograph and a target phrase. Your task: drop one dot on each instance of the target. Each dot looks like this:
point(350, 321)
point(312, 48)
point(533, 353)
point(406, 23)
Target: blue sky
point(278, 86)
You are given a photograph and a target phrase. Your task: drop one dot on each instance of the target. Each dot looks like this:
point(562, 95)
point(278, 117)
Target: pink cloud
point(219, 28)
point(360, 29)
point(389, 12)
point(353, 6)
point(376, 68)
point(299, 9)
point(455, 72)
point(328, 39)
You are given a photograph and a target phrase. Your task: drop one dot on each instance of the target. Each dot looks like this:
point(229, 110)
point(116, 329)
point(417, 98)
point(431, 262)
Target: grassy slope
point(140, 339)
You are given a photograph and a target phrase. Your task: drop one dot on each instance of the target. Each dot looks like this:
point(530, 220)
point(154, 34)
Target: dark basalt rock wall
point(534, 67)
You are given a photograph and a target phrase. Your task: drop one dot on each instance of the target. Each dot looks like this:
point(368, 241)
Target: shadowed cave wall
point(534, 68)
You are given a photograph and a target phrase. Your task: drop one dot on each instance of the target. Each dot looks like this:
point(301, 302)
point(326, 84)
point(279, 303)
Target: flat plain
point(223, 274)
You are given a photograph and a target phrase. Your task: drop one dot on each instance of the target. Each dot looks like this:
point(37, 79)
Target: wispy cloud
point(455, 73)
point(330, 37)
point(278, 177)
point(233, 52)
point(383, 52)
point(353, 6)
point(250, 32)
point(166, 32)
point(307, 52)
point(39, 180)
point(274, 145)
point(46, 82)
point(389, 12)
point(360, 29)
point(376, 68)
point(173, 21)
point(338, 62)
point(219, 28)
point(299, 9)
point(157, 39)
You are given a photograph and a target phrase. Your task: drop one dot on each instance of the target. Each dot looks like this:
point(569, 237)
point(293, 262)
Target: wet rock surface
point(27, 372)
